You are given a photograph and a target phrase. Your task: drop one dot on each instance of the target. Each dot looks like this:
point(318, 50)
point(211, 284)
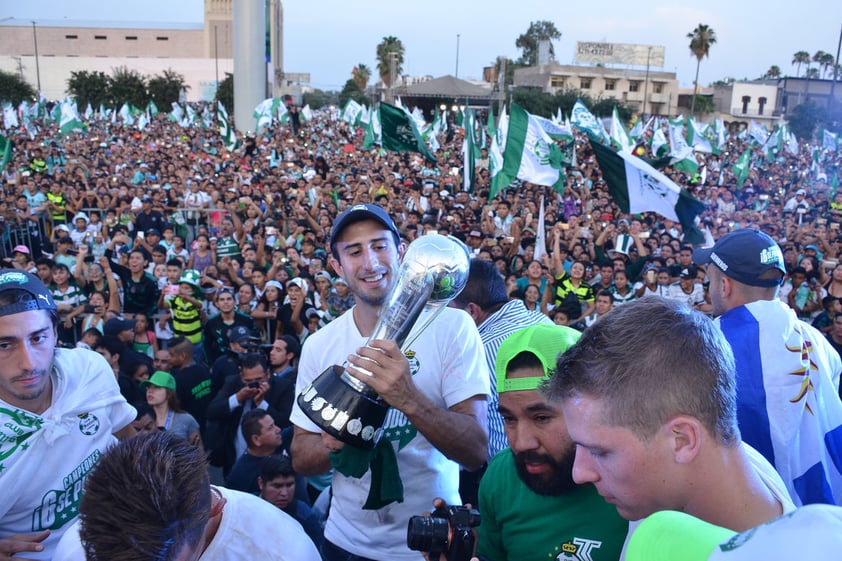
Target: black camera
point(447, 531)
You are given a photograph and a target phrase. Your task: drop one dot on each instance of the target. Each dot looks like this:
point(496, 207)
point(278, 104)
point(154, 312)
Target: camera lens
point(428, 533)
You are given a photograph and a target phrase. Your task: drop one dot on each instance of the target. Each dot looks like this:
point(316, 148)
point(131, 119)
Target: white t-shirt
point(764, 471)
point(448, 366)
point(696, 296)
point(250, 528)
point(45, 458)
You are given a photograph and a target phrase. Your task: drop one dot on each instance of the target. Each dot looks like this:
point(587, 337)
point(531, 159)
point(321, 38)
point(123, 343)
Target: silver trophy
point(433, 272)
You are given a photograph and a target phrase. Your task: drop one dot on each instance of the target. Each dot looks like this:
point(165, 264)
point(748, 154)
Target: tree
point(799, 58)
point(704, 104)
point(360, 75)
point(15, 89)
point(317, 98)
point(804, 119)
point(165, 88)
point(813, 73)
point(826, 62)
point(701, 39)
point(225, 93)
point(88, 87)
point(390, 47)
point(538, 31)
point(773, 72)
point(352, 91)
point(127, 86)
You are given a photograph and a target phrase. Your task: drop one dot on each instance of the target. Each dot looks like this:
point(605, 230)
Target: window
point(746, 100)
point(71, 36)
point(556, 82)
point(162, 38)
point(100, 37)
point(131, 37)
point(634, 86)
point(585, 83)
point(610, 85)
point(658, 88)
point(762, 102)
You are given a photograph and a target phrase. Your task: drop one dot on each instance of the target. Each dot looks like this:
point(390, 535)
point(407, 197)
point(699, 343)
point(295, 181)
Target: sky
point(327, 38)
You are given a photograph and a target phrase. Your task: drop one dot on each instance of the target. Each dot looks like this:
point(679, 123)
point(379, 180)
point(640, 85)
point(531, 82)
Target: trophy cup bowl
point(433, 272)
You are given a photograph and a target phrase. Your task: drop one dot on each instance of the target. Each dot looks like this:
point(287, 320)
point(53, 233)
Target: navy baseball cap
point(41, 298)
point(240, 333)
point(362, 211)
point(745, 255)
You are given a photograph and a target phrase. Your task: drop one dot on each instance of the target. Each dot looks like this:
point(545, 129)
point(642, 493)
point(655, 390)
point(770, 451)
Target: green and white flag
point(585, 121)
point(741, 168)
point(619, 137)
point(468, 152)
point(556, 131)
point(126, 114)
point(830, 141)
point(10, 116)
point(758, 132)
point(177, 113)
point(659, 148)
point(365, 115)
point(264, 112)
point(683, 158)
point(351, 112)
point(55, 114)
point(791, 142)
point(191, 118)
point(399, 132)
point(142, 121)
point(70, 120)
point(151, 108)
point(373, 132)
point(638, 187)
point(530, 154)
point(306, 114)
point(720, 135)
point(5, 152)
point(89, 112)
point(696, 136)
point(226, 131)
point(283, 113)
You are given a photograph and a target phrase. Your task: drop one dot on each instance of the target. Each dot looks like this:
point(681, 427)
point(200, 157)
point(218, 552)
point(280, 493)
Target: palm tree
point(773, 72)
point(701, 40)
point(819, 59)
point(827, 61)
point(360, 75)
point(385, 49)
point(799, 58)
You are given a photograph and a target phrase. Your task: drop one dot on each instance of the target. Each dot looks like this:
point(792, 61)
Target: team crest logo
point(577, 549)
point(16, 428)
point(88, 424)
point(414, 365)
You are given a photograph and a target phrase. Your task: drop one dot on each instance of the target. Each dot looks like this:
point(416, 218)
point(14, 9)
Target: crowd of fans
point(155, 225)
point(150, 238)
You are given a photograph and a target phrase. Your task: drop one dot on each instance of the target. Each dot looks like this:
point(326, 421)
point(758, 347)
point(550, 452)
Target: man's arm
point(459, 432)
point(309, 453)
point(126, 432)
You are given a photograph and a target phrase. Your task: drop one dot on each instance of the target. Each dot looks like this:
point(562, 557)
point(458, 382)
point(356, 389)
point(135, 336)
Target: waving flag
point(530, 154)
point(788, 408)
point(399, 132)
point(638, 187)
point(226, 131)
point(585, 121)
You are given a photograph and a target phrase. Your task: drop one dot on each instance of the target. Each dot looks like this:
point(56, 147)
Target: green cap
point(544, 340)
point(160, 379)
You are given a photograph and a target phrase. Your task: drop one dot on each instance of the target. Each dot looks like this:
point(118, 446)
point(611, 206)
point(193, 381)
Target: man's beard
point(557, 481)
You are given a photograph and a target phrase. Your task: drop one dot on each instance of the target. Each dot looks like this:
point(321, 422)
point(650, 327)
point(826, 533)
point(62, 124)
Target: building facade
point(650, 92)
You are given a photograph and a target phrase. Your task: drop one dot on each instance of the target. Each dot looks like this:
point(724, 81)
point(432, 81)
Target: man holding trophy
point(393, 409)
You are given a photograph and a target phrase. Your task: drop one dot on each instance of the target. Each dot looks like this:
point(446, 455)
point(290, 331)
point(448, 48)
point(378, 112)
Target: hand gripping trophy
point(433, 272)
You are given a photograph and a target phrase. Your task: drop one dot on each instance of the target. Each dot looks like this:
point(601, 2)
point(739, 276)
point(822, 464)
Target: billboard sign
point(619, 53)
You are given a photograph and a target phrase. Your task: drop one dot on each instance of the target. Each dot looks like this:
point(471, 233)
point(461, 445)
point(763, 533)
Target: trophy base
point(343, 411)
